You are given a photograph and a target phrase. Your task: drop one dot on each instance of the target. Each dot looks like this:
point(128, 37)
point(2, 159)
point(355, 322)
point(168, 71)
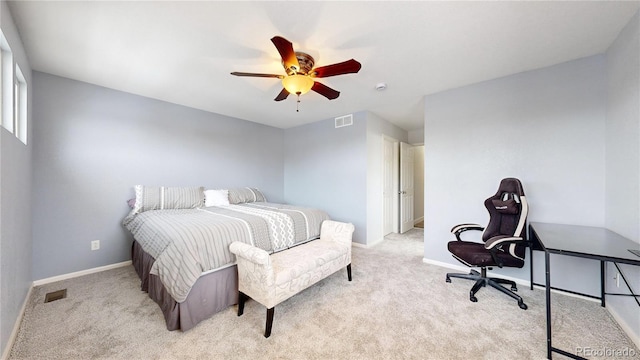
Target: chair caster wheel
point(523, 306)
point(473, 298)
point(448, 279)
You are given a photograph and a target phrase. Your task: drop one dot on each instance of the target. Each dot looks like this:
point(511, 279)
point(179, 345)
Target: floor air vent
point(55, 295)
point(342, 121)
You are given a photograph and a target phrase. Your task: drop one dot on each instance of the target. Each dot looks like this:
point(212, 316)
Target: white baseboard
point(445, 265)
point(80, 273)
point(375, 242)
point(558, 291)
point(16, 326)
point(618, 319)
point(516, 280)
point(466, 269)
point(625, 326)
point(366, 246)
point(415, 221)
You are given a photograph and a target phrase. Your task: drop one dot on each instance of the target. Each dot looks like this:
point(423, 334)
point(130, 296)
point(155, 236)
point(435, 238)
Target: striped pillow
point(245, 195)
point(162, 197)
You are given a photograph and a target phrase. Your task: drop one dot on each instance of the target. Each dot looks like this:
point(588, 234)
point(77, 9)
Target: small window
point(6, 84)
point(1, 77)
point(13, 93)
point(15, 103)
point(20, 106)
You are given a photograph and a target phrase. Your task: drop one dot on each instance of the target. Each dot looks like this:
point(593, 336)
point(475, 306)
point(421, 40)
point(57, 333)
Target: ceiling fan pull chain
point(298, 102)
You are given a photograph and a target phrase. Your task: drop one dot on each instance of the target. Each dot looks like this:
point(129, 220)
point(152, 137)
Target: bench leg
point(349, 271)
point(242, 297)
point(267, 330)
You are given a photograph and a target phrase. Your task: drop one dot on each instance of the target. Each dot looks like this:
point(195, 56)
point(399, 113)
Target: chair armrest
point(459, 229)
point(501, 239)
point(495, 243)
point(250, 253)
point(337, 231)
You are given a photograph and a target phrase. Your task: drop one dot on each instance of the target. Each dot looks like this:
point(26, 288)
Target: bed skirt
point(212, 293)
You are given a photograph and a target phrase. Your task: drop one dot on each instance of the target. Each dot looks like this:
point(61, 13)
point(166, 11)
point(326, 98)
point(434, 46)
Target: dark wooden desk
point(581, 241)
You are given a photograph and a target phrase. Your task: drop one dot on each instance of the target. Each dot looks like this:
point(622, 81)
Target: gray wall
point(326, 168)
point(340, 170)
point(92, 145)
point(571, 132)
point(15, 201)
point(545, 127)
point(623, 161)
point(416, 137)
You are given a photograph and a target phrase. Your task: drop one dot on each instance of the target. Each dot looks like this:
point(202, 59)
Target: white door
point(406, 187)
point(389, 187)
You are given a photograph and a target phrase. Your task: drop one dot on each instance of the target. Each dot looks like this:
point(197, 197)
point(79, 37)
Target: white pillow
point(216, 197)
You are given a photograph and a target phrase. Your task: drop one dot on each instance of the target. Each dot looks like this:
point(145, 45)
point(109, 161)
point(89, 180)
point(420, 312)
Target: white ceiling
point(183, 52)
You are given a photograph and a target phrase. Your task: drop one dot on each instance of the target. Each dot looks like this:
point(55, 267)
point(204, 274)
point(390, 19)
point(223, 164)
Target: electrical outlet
point(95, 245)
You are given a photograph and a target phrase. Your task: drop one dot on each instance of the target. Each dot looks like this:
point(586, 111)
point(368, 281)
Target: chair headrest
point(506, 196)
point(509, 206)
point(507, 199)
point(510, 185)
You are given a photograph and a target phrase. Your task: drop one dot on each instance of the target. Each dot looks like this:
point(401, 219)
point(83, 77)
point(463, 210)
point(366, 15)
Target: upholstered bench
point(273, 278)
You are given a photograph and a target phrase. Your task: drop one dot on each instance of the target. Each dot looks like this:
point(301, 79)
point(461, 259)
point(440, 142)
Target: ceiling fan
point(300, 73)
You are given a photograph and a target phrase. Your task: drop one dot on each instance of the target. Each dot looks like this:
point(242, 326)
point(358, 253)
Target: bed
point(181, 244)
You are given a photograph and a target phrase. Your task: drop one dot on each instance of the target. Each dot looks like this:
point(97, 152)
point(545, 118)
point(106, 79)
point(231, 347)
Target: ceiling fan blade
point(345, 67)
point(325, 91)
point(285, 48)
point(257, 75)
point(283, 95)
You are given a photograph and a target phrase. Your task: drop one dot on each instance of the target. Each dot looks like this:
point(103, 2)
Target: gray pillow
point(245, 195)
point(162, 197)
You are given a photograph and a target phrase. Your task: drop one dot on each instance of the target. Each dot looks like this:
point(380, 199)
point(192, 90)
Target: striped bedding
point(188, 242)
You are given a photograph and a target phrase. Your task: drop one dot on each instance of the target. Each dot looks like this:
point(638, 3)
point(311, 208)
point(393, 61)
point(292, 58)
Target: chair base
point(482, 280)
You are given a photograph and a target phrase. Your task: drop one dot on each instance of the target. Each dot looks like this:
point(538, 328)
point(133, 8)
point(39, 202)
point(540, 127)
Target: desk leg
point(548, 300)
point(531, 266)
point(602, 280)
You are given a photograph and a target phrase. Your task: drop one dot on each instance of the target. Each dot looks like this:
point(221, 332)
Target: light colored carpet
point(395, 307)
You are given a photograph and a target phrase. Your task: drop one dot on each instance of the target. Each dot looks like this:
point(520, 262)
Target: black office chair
point(504, 239)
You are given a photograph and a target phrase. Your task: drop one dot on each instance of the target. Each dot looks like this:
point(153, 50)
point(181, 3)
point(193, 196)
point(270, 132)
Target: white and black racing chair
point(504, 240)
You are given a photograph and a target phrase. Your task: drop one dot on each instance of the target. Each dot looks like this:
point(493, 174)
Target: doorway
point(407, 188)
point(390, 176)
point(403, 186)
point(418, 184)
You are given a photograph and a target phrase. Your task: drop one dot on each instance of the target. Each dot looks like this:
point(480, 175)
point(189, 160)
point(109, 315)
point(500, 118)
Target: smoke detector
point(381, 86)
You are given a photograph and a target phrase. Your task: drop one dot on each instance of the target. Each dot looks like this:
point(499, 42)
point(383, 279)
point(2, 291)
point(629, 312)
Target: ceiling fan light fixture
point(301, 73)
point(297, 84)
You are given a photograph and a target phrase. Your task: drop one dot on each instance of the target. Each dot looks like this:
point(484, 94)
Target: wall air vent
point(343, 121)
